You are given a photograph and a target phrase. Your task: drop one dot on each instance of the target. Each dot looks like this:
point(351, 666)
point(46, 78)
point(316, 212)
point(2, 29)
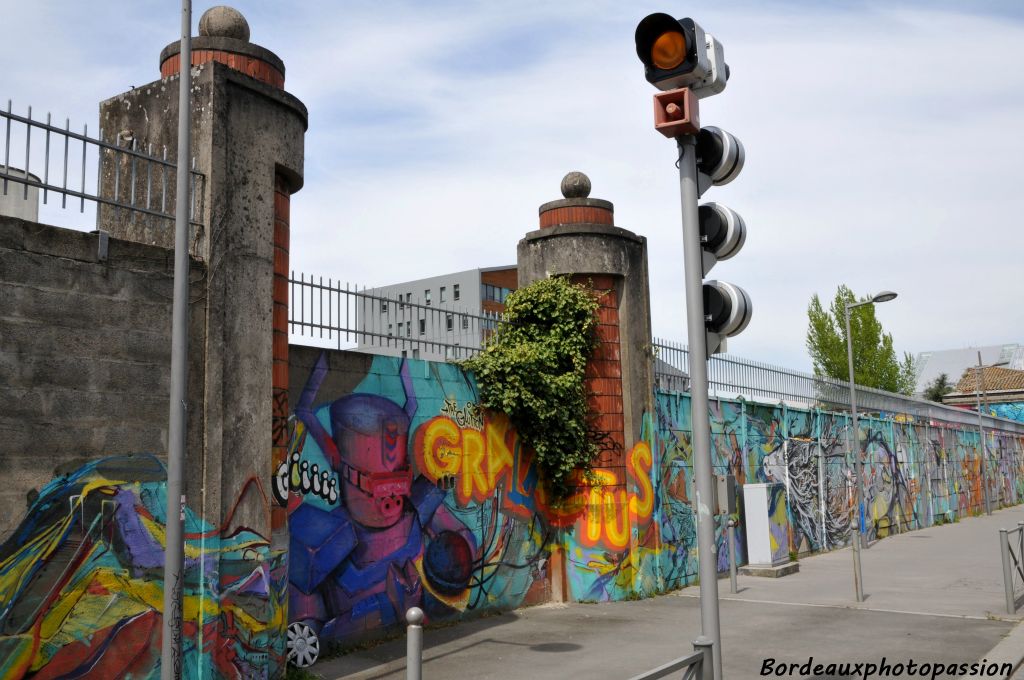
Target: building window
point(389, 330)
point(494, 293)
point(426, 296)
point(423, 326)
point(383, 306)
point(408, 329)
point(449, 322)
point(399, 328)
point(441, 294)
point(455, 291)
point(465, 322)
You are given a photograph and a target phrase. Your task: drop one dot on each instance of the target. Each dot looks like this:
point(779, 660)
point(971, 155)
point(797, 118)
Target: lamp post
point(979, 387)
point(858, 584)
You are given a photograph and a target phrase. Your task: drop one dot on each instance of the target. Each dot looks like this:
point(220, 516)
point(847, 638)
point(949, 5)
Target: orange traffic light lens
point(669, 50)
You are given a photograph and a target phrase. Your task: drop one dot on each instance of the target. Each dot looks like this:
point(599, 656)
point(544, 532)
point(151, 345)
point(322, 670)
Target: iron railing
point(62, 161)
point(330, 313)
point(695, 666)
point(1011, 545)
point(731, 377)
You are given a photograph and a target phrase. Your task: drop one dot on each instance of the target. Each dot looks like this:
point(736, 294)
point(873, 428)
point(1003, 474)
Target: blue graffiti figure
point(359, 566)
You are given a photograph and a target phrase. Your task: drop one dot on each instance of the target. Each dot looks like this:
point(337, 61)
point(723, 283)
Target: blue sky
point(883, 141)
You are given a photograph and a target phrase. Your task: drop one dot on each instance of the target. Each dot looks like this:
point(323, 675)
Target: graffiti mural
point(81, 592)
point(1013, 410)
point(436, 505)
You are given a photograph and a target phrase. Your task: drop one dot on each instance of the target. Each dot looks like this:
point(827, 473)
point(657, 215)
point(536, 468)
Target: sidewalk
point(932, 596)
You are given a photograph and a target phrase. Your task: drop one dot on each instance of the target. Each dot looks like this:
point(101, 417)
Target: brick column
point(279, 378)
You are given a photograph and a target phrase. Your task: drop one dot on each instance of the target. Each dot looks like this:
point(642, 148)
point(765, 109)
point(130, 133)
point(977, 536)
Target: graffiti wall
point(81, 590)
point(1013, 410)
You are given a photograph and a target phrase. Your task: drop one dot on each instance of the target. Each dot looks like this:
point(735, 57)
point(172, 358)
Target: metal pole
point(414, 644)
point(707, 565)
point(170, 668)
point(705, 646)
point(981, 437)
point(858, 586)
point(1004, 550)
point(732, 555)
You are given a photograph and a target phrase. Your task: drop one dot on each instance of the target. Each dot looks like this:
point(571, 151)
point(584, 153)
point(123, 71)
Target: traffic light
point(720, 156)
point(678, 53)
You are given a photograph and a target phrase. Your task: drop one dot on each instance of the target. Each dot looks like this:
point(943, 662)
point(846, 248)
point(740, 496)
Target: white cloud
point(882, 145)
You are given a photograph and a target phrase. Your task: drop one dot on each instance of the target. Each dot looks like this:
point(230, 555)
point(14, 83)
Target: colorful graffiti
point(436, 507)
point(81, 592)
point(1013, 410)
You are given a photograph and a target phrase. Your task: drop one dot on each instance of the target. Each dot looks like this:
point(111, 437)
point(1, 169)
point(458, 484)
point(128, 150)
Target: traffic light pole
point(693, 271)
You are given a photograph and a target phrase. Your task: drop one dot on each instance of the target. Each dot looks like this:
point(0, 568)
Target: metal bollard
point(414, 644)
point(732, 555)
point(704, 645)
point(1004, 550)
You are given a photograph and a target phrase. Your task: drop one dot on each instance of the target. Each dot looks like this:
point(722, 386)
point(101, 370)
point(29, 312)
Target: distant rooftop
point(953, 362)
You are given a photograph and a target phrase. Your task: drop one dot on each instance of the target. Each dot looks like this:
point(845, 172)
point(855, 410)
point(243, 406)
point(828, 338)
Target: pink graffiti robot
point(388, 544)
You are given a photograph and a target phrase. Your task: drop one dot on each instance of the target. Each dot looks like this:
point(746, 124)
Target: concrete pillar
point(247, 137)
point(578, 237)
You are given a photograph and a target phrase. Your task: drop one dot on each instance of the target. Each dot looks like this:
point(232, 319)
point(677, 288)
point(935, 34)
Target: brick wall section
point(577, 214)
point(282, 200)
point(250, 66)
point(604, 376)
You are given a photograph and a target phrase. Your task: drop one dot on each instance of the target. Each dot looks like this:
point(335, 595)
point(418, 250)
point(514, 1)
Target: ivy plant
point(533, 371)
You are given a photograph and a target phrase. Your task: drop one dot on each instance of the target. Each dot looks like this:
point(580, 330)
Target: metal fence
point(695, 666)
point(730, 377)
point(60, 161)
point(330, 313)
point(1011, 546)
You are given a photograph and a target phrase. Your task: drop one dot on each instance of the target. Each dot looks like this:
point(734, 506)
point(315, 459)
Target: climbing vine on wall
point(533, 371)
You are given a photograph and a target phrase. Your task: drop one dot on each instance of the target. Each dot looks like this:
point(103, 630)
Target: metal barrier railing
point(695, 666)
point(328, 310)
point(140, 181)
point(1011, 547)
point(730, 377)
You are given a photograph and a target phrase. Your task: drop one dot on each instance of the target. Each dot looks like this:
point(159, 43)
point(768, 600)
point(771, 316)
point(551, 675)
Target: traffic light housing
point(677, 53)
point(720, 156)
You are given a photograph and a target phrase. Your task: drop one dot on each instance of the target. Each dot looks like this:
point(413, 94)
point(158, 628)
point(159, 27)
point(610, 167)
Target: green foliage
point(874, 359)
point(533, 371)
point(937, 388)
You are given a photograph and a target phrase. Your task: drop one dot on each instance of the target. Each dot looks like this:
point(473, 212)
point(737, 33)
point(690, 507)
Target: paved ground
point(933, 596)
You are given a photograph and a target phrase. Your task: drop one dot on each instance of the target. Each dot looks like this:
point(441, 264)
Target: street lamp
point(979, 387)
point(858, 586)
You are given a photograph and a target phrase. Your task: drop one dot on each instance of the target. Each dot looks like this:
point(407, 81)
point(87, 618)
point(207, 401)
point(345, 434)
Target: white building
point(438, 318)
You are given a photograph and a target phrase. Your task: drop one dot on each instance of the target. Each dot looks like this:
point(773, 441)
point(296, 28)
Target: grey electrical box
point(725, 494)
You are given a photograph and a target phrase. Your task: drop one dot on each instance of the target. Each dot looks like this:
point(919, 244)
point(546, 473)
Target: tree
point(874, 359)
point(937, 388)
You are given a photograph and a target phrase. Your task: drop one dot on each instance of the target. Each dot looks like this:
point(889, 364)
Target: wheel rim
point(303, 645)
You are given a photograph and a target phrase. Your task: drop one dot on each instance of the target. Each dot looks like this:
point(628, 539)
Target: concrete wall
point(84, 354)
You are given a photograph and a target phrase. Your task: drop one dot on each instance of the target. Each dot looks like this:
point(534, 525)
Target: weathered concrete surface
point(244, 133)
point(934, 599)
point(84, 355)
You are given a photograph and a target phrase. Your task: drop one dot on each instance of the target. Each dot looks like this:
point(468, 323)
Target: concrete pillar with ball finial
point(578, 238)
point(247, 149)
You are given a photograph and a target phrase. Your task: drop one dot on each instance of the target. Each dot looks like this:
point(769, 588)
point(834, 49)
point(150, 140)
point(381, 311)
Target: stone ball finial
point(224, 22)
point(575, 185)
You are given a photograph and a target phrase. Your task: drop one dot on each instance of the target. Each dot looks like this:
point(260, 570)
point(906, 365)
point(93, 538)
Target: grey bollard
point(414, 644)
point(707, 667)
point(732, 555)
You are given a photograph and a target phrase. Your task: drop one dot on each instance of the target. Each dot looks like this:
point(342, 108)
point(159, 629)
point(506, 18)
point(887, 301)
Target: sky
point(882, 139)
